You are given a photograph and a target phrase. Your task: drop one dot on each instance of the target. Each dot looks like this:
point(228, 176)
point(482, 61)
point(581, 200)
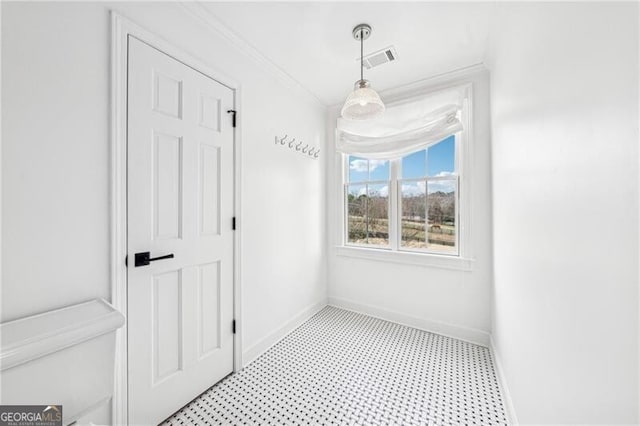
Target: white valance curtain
point(404, 128)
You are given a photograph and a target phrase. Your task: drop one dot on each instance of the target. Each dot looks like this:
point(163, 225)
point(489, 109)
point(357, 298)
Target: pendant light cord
point(361, 54)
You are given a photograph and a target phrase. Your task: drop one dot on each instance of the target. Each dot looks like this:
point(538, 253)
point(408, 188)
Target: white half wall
point(55, 163)
point(564, 94)
point(442, 300)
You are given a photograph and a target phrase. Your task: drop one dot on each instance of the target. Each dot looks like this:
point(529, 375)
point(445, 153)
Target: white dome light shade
point(363, 103)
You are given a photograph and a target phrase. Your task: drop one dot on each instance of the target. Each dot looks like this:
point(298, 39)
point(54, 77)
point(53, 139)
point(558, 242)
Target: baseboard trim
point(471, 335)
point(512, 419)
point(274, 337)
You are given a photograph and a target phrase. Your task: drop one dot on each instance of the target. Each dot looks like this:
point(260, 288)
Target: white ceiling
point(312, 42)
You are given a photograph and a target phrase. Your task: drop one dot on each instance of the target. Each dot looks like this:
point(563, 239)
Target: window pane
point(362, 170)
point(356, 214)
point(414, 165)
point(413, 221)
point(379, 170)
point(368, 214)
point(441, 202)
point(441, 157)
point(378, 215)
point(358, 169)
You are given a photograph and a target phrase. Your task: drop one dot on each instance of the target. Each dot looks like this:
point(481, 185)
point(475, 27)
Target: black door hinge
point(126, 261)
point(233, 326)
point(233, 223)
point(234, 112)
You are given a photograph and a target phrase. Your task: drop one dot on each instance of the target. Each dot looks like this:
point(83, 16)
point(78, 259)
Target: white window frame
point(395, 253)
point(394, 205)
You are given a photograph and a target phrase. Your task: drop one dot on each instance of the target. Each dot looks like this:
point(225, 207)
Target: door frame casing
point(121, 29)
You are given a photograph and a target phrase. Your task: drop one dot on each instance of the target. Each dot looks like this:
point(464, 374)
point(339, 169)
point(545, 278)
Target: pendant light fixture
point(363, 103)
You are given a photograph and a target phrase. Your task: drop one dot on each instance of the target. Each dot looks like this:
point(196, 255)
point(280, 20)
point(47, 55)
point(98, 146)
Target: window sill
point(407, 258)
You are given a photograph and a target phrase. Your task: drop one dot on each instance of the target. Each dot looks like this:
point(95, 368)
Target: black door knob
point(144, 258)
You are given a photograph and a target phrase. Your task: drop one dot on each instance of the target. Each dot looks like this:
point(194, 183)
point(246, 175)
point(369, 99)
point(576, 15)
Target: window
point(408, 204)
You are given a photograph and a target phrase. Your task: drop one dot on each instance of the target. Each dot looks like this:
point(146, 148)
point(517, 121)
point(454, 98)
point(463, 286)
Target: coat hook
point(300, 146)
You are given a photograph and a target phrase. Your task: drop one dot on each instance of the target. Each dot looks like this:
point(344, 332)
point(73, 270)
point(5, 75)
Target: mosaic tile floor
point(345, 368)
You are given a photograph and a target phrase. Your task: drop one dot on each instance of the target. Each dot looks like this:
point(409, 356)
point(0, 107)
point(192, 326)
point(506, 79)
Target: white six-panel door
point(180, 202)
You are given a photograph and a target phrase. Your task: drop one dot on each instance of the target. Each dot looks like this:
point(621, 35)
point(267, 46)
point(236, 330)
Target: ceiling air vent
point(380, 57)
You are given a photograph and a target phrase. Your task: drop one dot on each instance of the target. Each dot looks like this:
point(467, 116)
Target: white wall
point(447, 301)
point(55, 163)
point(564, 93)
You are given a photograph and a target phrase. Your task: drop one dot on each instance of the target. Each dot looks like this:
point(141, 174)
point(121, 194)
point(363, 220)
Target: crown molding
point(201, 13)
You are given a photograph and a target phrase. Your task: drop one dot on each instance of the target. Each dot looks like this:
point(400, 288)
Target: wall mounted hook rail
point(299, 146)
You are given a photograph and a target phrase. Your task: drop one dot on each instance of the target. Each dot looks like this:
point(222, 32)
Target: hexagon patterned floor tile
point(342, 367)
